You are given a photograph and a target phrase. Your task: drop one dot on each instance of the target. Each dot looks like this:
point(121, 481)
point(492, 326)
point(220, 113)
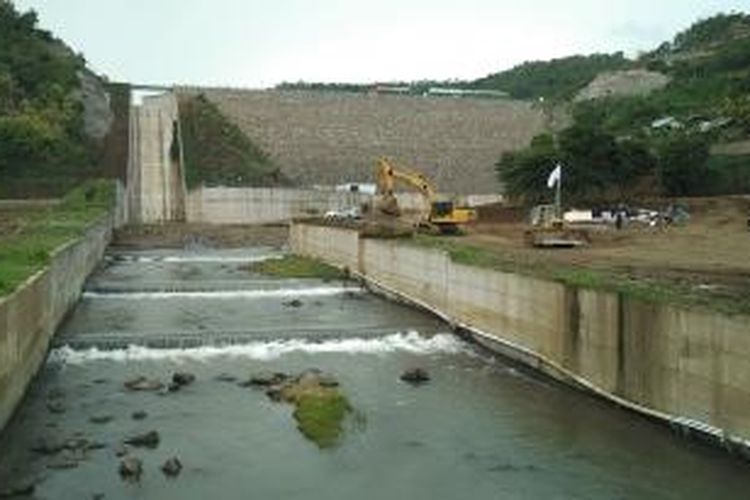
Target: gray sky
point(260, 43)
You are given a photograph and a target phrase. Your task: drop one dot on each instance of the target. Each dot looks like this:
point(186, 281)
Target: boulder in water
point(131, 469)
point(48, 446)
point(265, 380)
point(139, 415)
point(142, 383)
point(183, 378)
point(172, 467)
point(56, 406)
point(320, 408)
point(415, 376)
point(147, 440)
point(101, 419)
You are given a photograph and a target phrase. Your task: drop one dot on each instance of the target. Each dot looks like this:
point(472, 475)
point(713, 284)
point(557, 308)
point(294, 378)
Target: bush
point(683, 165)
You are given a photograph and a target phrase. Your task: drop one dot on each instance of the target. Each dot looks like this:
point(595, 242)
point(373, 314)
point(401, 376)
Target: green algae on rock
point(292, 266)
point(320, 407)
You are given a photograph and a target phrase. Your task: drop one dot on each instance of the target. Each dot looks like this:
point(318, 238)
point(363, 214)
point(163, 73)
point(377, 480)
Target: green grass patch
point(218, 153)
point(292, 266)
point(29, 247)
point(320, 416)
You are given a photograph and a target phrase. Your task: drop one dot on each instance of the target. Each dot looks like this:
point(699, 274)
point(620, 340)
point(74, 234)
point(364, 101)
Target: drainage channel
point(477, 428)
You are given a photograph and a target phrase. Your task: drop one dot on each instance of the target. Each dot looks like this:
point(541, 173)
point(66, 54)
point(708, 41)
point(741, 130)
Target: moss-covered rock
point(293, 266)
point(320, 406)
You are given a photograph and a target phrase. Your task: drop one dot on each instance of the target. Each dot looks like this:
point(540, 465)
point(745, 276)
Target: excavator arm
point(388, 174)
point(442, 214)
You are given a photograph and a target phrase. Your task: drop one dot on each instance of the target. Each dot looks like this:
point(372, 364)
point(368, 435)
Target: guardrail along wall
point(688, 367)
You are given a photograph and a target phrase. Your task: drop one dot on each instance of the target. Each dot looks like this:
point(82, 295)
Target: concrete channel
point(480, 427)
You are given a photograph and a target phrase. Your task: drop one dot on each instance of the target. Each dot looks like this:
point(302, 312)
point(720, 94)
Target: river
point(480, 428)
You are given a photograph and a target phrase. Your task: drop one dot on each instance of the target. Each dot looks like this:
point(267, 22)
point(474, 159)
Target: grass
point(292, 266)
point(320, 416)
point(218, 153)
point(611, 280)
point(28, 246)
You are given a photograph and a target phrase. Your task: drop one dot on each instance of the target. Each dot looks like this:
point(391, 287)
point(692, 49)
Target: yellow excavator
point(442, 215)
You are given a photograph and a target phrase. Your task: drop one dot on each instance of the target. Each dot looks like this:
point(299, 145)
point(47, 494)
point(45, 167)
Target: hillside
point(43, 145)
point(558, 79)
point(677, 121)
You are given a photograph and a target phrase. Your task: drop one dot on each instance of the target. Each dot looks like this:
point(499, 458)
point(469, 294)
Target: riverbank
point(682, 366)
point(45, 261)
point(479, 426)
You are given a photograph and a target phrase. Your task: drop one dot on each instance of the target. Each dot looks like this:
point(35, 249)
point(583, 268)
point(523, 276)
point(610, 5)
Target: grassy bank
point(28, 238)
point(612, 279)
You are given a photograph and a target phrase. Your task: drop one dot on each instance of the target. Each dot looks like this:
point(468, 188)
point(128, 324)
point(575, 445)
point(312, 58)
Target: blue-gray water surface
point(479, 429)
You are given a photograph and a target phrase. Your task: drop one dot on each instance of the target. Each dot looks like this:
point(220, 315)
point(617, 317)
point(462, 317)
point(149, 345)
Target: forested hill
point(41, 114)
point(690, 136)
point(556, 79)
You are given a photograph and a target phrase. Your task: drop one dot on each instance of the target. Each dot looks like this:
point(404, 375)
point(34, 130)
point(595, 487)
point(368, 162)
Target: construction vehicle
point(442, 215)
point(549, 229)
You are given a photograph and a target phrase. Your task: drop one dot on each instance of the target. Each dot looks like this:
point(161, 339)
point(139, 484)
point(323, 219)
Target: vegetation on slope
point(216, 151)
point(557, 79)
point(41, 119)
point(613, 150)
point(26, 246)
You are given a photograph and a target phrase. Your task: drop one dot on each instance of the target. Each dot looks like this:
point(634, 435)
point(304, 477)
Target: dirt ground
point(179, 235)
point(712, 250)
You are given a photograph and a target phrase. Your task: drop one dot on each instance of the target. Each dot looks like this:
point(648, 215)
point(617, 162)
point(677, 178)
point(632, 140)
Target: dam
point(481, 426)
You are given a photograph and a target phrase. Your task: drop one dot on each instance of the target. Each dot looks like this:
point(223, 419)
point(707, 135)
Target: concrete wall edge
point(544, 365)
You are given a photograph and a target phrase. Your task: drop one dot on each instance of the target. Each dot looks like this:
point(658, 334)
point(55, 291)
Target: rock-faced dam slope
point(335, 137)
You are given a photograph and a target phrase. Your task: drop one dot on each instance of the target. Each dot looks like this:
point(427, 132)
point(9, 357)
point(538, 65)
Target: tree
point(596, 166)
point(683, 165)
point(524, 173)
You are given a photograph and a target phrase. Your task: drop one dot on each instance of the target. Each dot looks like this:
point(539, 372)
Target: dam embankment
point(31, 314)
point(688, 367)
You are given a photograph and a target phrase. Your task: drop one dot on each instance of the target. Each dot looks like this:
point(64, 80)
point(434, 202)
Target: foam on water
point(198, 258)
point(411, 342)
point(320, 291)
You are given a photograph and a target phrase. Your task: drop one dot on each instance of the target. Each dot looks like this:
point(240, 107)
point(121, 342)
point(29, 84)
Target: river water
point(479, 429)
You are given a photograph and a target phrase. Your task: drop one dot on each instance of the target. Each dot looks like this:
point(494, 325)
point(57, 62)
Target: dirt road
point(711, 253)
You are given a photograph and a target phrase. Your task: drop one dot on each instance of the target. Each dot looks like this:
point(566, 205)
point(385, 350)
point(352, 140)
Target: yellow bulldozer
point(549, 229)
point(443, 215)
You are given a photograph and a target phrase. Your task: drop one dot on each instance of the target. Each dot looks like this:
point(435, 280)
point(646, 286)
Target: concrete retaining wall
point(155, 180)
point(691, 368)
point(30, 316)
point(226, 205)
point(221, 205)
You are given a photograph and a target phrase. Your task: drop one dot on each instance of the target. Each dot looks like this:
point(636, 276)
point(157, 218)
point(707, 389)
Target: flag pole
point(558, 196)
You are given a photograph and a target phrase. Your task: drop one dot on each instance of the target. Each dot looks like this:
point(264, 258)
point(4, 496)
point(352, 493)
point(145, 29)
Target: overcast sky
point(260, 43)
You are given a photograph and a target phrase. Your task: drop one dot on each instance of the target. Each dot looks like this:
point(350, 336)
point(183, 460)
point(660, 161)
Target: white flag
point(555, 177)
